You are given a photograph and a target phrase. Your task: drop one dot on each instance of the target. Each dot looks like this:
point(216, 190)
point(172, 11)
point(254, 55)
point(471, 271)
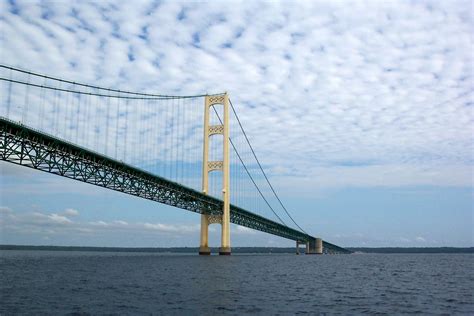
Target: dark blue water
point(41, 282)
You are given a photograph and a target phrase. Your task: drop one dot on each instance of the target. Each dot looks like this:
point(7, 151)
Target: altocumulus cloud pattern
point(358, 93)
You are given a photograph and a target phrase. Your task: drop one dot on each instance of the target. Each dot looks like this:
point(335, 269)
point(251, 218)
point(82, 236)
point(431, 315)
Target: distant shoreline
point(385, 250)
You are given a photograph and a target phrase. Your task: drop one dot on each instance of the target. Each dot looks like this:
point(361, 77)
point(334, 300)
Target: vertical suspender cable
point(42, 106)
point(107, 118)
point(117, 128)
point(9, 100)
point(251, 178)
point(125, 138)
point(24, 117)
point(79, 99)
point(263, 172)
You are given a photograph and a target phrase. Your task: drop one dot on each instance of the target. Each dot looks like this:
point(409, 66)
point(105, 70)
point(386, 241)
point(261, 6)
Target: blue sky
point(360, 111)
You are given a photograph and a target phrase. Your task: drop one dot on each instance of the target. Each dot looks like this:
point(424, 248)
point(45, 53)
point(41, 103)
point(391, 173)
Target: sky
point(360, 111)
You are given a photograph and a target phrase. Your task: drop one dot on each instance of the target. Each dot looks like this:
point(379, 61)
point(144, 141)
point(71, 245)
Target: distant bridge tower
point(209, 166)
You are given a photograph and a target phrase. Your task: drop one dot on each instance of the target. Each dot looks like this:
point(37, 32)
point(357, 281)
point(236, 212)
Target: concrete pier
point(299, 243)
point(204, 251)
point(224, 251)
point(314, 247)
point(319, 246)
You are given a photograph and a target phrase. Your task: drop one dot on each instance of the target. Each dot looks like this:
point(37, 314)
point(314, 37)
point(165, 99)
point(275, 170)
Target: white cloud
point(244, 230)
point(38, 218)
point(70, 212)
point(59, 219)
point(5, 214)
point(46, 224)
point(112, 224)
point(120, 222)
point(99, 223)
point(167, 228)
point(63, 231)
point(332, 94)
point(5, 210)
point(420, 239)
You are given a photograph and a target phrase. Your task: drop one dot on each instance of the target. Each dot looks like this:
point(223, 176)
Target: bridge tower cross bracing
point(210, 166)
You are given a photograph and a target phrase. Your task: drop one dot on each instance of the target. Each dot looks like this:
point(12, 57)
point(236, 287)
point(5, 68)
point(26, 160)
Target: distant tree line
point(266, 250)
point(414, 250)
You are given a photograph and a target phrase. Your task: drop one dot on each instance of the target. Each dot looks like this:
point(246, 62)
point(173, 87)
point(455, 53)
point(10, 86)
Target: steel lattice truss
point(30, 148)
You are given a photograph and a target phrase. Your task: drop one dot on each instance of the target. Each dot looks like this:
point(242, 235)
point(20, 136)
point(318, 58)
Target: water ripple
point(106, 283)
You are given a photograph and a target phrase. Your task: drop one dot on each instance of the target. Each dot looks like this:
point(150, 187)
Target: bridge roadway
point(31, 148)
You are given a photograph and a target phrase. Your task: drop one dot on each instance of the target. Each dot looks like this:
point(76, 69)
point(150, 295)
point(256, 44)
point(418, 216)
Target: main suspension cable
point(261, 168)
point(248, 172)
point(97, 87)
point(29, 84)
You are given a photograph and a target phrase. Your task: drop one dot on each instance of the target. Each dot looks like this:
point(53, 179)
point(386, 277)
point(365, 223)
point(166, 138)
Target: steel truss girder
point(24, 146)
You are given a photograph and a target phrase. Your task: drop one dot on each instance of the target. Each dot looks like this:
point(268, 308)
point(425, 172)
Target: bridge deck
point(31, 148)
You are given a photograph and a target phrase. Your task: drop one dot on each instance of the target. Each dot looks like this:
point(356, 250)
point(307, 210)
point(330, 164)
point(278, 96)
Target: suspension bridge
point(176, 150)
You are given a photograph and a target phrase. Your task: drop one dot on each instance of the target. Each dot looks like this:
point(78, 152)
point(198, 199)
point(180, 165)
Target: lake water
point(43, 282)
